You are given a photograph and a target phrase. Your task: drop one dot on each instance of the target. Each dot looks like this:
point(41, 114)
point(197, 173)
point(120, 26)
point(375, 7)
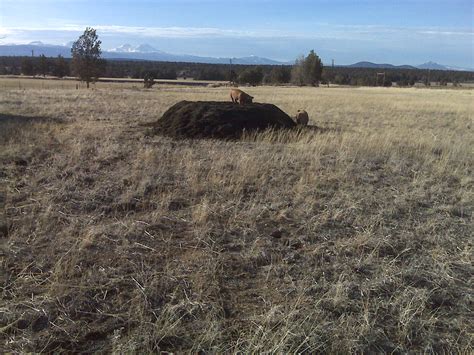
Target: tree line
point(87, 66)
point(241, 74)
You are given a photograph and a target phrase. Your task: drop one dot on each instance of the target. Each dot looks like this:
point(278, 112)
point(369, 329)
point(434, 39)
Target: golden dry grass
point(355, 239)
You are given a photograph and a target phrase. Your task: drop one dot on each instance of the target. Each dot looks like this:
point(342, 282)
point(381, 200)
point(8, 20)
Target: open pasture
point(358, 238)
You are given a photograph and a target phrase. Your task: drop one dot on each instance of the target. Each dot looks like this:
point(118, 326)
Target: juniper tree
point(43, 65)
point(27, 67)
point(307, 70)
point(86, 62)
point(312, 69)
point(61, 67)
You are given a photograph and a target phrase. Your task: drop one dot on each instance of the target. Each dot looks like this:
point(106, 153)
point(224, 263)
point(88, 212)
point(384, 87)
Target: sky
point(382, 31)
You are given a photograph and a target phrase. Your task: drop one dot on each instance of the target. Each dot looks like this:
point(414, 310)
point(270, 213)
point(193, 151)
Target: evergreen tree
point(86, 62)
point(27, 67)
point(307, 70)
point(252, 76)
point(312, 69)
point(43, 65)
point(61, 67)
point(149, 80)
point(279, 75)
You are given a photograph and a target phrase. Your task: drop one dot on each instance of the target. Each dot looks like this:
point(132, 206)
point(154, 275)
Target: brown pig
point(302, 117)
point(240, 97)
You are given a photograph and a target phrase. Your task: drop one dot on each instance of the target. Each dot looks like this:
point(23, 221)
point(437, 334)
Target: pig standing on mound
point(302, 117)
point(240, 97)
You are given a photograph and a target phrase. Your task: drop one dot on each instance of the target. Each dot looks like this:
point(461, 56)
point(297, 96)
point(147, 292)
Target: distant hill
point(427, 65)
point(432, 66)
point(436, 66)
point(379, 66)
point(34, 48)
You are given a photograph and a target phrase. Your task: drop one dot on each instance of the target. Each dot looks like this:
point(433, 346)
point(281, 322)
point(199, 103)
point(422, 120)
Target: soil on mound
point(212, 119)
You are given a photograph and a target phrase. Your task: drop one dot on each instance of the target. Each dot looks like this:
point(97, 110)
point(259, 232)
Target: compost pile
point(223, 120)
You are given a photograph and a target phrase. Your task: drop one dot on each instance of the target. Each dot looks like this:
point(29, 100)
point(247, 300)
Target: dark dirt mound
point(225, 120)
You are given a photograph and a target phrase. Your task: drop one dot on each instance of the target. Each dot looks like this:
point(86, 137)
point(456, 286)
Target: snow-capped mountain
point(124, 48)
point(146, 48)
point(36, 43)
point(142, 48)
point(127, 51)
point(148, 52)
point(253, 59)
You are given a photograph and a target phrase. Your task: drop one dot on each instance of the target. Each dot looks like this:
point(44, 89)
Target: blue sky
point(398, 32)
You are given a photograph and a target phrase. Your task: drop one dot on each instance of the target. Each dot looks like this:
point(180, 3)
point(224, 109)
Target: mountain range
point(385, 66)
point(428, 65)
point(127, 52)
point(147, 52)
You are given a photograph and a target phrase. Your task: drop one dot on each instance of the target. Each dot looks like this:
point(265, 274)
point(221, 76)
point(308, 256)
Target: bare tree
point(297, 75)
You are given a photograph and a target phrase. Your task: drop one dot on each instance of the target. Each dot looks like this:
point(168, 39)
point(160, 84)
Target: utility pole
point(333, 63)
point(230, 71)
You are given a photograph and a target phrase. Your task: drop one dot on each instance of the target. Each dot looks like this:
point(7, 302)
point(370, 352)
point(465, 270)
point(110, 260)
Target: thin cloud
point(167, 32)
point(319, 31)
point(447, 33)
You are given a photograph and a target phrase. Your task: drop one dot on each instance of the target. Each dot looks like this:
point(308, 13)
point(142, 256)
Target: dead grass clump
point(353, 238)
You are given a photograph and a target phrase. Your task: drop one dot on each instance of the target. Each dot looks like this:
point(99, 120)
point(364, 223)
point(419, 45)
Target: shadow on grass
point(16, 119)
point(281, 135)
point(318, 129)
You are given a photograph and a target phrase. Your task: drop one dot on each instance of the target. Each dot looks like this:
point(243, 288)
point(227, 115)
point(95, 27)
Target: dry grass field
point(356, 239)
